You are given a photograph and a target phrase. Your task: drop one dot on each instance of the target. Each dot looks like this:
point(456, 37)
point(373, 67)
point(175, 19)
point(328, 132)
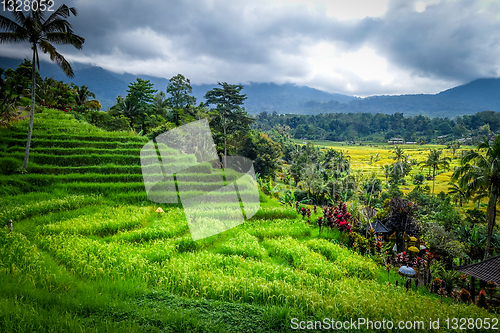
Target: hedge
point(99, 136)
point(78, 151)
point(36, 143)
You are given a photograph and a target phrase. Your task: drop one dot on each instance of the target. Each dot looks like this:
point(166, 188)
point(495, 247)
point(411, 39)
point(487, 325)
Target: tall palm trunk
point(225, 142)
point(491, 212)
point(32, 112)
point(433, 180)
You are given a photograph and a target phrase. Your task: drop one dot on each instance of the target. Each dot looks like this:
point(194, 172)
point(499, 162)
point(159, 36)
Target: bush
point(419, 179)
point(9, 165)
point(160, 130)
point(447, 216)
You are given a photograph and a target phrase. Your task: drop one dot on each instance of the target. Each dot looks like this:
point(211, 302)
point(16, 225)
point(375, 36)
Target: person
point(9, 224)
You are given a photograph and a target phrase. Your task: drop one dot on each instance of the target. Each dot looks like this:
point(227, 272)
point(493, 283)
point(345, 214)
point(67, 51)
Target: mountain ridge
point(478, 95)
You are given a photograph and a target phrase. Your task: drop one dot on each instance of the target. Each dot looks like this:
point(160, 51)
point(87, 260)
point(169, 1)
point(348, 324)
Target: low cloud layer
point(383, 47)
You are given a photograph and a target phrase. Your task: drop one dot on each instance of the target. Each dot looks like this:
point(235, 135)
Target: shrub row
point(170, 224)
point(45, 180)
point(71, 202)
point(97, 136)
point(203, 184)
point(38, 143)
point(78, 160)
point(77, 151)
point(300, 257)
point(355, 264)
point(104, 222)
point(107, 169)
point(9, 165)
point(244, 245)
point(182, 161)
point(277, 228)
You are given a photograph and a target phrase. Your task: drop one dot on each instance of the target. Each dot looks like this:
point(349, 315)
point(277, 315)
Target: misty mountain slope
point(478, 95)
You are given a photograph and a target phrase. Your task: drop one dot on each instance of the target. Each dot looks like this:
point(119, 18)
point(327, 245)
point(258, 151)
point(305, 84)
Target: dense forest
point(381, 127)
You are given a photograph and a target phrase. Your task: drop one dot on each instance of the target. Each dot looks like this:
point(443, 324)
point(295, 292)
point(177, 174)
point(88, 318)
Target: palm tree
point(435, 162)
point(460, 191)
point(387, 171)
point(484, 175)
point(85, 97)
point(40, 32)
point(399, 153)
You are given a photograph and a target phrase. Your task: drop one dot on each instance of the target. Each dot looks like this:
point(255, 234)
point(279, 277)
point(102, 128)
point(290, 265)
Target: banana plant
point(269, 188)
point(287, 198)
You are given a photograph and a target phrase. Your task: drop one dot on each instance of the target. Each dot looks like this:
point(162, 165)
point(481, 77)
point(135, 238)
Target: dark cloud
point(452, 40)
point(207, 40)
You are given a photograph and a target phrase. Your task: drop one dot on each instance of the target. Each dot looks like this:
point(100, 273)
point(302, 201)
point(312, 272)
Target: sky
point(355, 47)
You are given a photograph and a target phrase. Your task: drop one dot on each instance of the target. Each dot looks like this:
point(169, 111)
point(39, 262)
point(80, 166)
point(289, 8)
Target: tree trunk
point(225, 143)
point(32, 113)
point(491, 212)
point(433, 180)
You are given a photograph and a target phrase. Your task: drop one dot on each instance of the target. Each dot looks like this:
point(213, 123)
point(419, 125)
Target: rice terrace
point(158, 213)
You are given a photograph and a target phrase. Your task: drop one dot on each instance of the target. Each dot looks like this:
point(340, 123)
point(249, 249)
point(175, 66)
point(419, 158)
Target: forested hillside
point(382, 127)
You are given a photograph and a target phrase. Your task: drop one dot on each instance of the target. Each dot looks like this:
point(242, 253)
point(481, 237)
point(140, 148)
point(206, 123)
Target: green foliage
point(435, 162)
point(153, 133)
point(475, 216)
point(9, 165)
point(229, 121)
point(443, 242)
point(419, 179)
point(105, 120)
point(355, 264)
point(140, 93)
point(104, 222)
point(19, 212)
point(245, 245)
point(447, 216)
point(483, 175)
point(179, 88)
point(343, 125)
point(264, 153)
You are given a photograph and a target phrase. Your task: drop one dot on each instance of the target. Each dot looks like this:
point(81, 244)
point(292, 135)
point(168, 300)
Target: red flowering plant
point(402, 259)
point(464, 296)
point(303, 211)
point(428, 258)
point(342, 217)
point(481, 300)
point(335, 217)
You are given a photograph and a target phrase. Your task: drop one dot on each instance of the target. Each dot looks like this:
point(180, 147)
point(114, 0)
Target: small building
point(411, 143)
point(486, 270)
point(396, 141)
point(380, 230)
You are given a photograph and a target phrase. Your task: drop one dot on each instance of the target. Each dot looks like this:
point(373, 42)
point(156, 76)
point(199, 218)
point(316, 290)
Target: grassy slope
point(93, 256)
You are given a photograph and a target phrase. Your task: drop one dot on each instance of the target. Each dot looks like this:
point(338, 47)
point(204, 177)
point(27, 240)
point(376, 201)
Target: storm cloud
point(357, 47)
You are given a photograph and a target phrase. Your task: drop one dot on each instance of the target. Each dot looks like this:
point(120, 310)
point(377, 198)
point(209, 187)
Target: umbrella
point(406, 270)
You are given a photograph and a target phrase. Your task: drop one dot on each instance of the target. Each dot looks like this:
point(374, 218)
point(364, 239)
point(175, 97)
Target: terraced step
point(77, 151)
point(107, 169)
point(100, 137)
point(44, 143)
point(77, 160)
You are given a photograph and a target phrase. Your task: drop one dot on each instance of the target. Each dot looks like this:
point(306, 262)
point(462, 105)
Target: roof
point(379, 227)
point(486, 270)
